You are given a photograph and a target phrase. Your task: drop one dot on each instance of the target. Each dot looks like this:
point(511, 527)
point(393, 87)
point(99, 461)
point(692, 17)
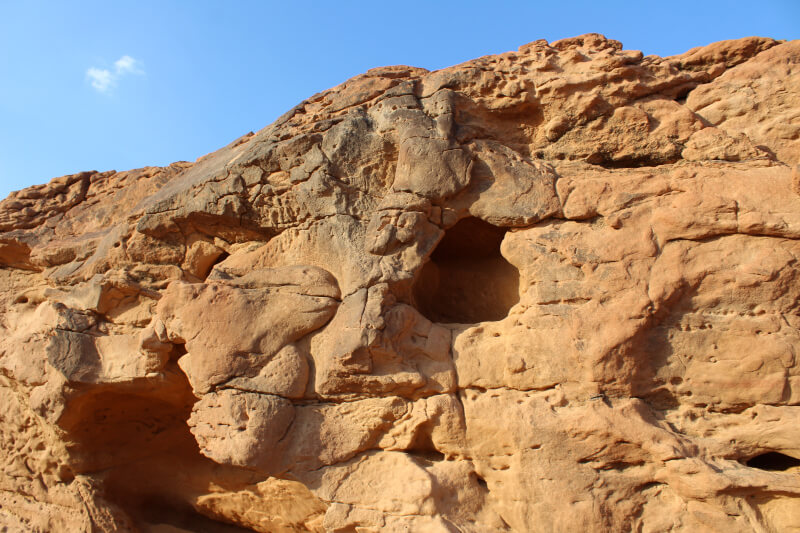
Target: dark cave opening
point(134, 441)
point(422, 446)
point(219, 259)
point(177, 515)
point(773, 461)
point(683, 94)
point(466, 280)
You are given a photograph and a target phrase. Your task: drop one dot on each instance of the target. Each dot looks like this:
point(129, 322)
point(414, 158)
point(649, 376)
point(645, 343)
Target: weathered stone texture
point(556, 289)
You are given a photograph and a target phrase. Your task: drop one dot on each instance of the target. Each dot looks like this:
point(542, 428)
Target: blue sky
point(117, 85)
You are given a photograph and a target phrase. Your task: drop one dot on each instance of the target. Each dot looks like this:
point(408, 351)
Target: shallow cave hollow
point(135, 441)
point(773, 461)
point(466, 280)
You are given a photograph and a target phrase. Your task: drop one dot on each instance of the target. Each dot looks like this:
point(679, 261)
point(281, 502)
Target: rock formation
point(553, 290)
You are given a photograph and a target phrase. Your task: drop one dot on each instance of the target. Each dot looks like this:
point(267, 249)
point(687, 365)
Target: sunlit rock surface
point(551, 290)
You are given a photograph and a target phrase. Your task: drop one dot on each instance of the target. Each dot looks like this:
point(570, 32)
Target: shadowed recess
point(773, 461)
point(466, 280)
point(149, 462)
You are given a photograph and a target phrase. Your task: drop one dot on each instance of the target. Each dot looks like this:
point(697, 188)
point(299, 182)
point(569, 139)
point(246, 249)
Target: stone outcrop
point(556, 289)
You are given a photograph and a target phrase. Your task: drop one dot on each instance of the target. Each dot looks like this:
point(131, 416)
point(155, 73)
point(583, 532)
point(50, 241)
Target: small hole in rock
point(422, 446)
point(431, 456)
point(774, 461)
point(178, 351)
point(683, 93)
point(481, 482)
point(466, 280)
point(65, 474)
point(217, 260)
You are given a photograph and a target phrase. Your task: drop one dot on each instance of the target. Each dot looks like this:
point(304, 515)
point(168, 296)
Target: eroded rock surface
point(554, 290)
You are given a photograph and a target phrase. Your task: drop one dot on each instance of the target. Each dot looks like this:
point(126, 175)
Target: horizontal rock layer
point(551, 290)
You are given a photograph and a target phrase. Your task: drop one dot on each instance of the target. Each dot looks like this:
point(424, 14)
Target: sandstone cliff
point(554, 290)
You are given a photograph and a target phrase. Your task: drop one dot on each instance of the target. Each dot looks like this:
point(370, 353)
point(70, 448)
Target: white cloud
point(127, 64)
point(103, 80)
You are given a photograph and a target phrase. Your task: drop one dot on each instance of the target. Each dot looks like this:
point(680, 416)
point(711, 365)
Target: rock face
point(554, 290)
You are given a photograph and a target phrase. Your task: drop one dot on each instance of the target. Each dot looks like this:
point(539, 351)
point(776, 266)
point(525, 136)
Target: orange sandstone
point(556, 289)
